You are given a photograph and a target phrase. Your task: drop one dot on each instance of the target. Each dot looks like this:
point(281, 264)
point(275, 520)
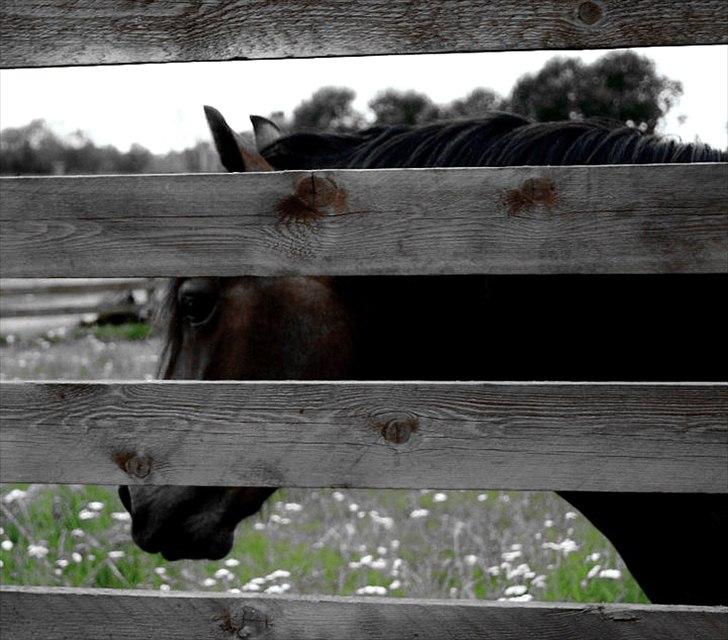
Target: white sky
point(160, 106)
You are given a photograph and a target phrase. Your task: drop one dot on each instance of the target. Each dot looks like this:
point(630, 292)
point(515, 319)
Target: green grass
point(322, 544)
point(127, 331)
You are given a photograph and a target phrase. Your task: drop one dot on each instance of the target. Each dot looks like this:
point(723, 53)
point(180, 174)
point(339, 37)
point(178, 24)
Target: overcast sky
point(160, 106)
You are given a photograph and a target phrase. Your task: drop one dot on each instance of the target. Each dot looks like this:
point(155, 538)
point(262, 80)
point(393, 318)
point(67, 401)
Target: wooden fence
point(29, 298)
point(644, 219)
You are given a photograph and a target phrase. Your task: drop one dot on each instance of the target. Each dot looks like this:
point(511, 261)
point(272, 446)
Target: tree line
point(620, 86)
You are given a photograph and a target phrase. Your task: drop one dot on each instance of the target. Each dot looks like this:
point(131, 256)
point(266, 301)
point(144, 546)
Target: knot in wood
point(246, 623)
point(138, 466)
point(314, 197)
point(590, 12)
point(396, 428)
point(533, 191)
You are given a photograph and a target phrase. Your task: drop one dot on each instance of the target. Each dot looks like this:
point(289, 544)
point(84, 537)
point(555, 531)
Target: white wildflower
point(251, 586)
point(515, 590)
point(395, 584)
point(62, 563)
point(278, 573)
point(570, 515)
point(76, 557)
point(223, 574)
point(384, 521)
point(274, 588)
point(13, 495)
point(338, 496)
point(382, 551)
point(7, 545)
point(420, 513)
point(78, 533)
point(539, 582)
point(394, 544)
point(378, 564)
point(353, 507)
point(292, 506)
point(160, 571)
point(232, 562)
point(493, 571)
point(593, 571)
point(610, 574)
point(371, 590)
point(439, 497)
point(259, 526)
point(482, 497)
point(121, 516)
point(548, 523)
point(526, 597)
point(87, 514)
point(510, 556)
point(95, 506)
point(209, 582)
point(470, 560)
point(115, 555)
point(233, 590)
point(164, 587)
point(593, 557)
point(37, 551)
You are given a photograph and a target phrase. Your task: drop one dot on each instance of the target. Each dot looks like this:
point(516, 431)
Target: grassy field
point(455, 544)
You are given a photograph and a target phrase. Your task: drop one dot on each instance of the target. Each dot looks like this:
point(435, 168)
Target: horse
point(559, 327)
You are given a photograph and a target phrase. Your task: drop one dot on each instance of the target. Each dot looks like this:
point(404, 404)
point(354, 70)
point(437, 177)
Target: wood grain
point(57, 32)
point(61, 613)
point(24, 286)
point(520, 436)
point(601, 219)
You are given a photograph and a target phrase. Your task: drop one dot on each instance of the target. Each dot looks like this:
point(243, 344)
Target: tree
point(328, 109)
point(403, 107)
point(475, 105)
point(623, 86)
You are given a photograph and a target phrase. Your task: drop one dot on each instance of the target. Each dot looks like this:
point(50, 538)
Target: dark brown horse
point(453, 328)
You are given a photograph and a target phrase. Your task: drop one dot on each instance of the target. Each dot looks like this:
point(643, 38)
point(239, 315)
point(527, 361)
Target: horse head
point(243, 328)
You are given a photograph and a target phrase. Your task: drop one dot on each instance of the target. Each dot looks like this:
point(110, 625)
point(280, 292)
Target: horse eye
point(197, 300)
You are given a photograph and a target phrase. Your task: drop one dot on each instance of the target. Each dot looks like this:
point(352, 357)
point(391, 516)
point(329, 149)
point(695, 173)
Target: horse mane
point(496, 140)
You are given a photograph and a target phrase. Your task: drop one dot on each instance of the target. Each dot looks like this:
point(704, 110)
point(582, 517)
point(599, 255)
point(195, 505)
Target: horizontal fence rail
point(88, 614)
point(51, 33)
point(600, 219)
point(520, 436)
point(33, 286)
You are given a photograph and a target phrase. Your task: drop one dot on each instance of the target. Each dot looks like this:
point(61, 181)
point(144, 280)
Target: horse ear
point(234, 154)
point(266, 131)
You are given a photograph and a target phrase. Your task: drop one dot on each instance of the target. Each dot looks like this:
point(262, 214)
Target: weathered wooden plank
point(36, 310)
point(50, 613)
point(602, 219)
point(560, 436)
point(22, 286)
point(56, 32)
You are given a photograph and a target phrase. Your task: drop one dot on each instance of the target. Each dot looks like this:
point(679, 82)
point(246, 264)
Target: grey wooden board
point(89, 614)
point(23, 286)
point(51, 33)
point(36, 310)
point(601, 219)
point(520, 436)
